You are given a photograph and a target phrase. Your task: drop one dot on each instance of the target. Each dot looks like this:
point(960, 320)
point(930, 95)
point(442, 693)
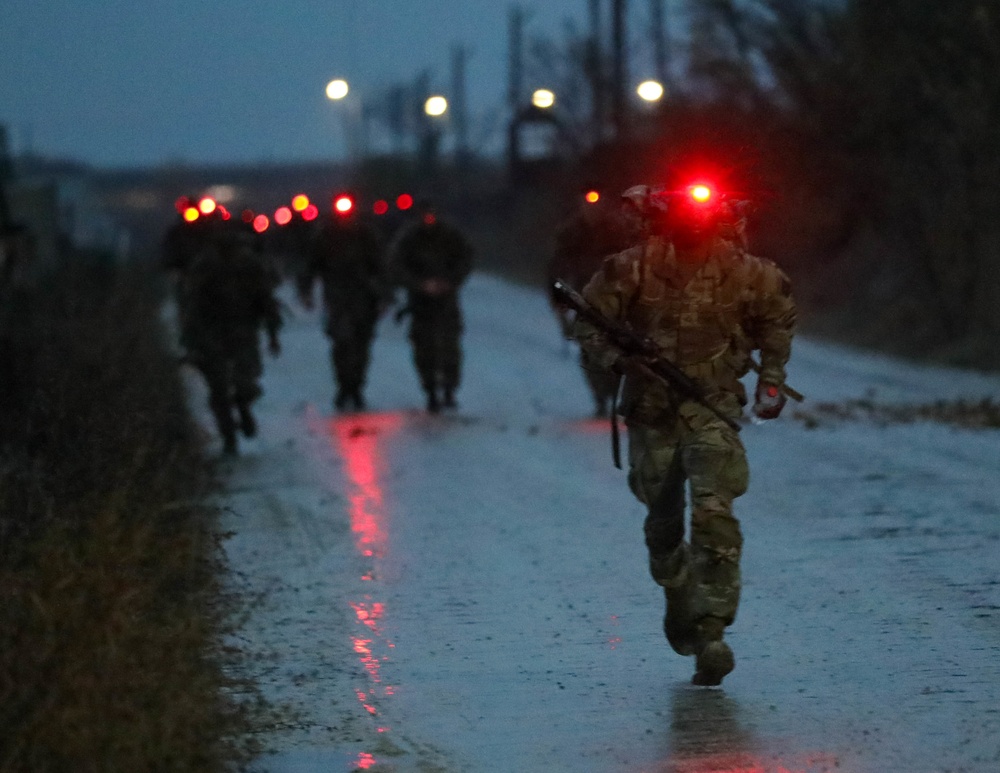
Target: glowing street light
point(337, 89)
point(650, 91)
point(543, 99)
point(436, 106)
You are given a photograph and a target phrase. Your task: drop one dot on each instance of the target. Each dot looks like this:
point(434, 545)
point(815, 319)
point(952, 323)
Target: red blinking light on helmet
point(342, 205)
point(702, 194)
point(592, 197)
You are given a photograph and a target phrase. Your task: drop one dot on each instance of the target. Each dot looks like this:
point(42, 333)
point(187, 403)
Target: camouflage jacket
point(347, 257)
point(707, 316)
point(229, 292)
point(437, 251)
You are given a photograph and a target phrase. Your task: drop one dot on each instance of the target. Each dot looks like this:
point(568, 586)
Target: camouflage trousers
point(602, 382)
point(699, 452)
point(351, 334)
point(435, 332)
point(230, 362)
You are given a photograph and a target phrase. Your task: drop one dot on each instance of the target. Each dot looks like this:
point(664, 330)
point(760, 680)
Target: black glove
point(768, 401)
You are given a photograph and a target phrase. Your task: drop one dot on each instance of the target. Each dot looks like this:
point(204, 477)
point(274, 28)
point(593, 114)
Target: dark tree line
point(894, 107)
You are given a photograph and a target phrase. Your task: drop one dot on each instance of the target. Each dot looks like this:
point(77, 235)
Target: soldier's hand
point(435, 287)
point(274, 347)
point(768, 401)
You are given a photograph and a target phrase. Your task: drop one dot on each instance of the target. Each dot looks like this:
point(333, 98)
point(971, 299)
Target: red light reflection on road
point(357, 442)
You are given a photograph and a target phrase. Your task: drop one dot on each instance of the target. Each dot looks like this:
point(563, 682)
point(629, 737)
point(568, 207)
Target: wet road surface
point(469, 592)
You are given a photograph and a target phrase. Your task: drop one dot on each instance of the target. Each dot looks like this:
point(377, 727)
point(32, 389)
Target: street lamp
point(436, 106)
point(337, 89)
point(543, 99)
point(650, 91)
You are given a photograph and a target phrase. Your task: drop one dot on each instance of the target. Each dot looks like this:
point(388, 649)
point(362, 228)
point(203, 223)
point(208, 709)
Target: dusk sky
point(122, 83)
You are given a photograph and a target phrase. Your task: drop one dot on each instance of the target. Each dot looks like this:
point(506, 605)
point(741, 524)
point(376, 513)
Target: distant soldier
point(693, 290)
point(432, 260)
point(583, 240)
point(346, 256)
point(230, 297)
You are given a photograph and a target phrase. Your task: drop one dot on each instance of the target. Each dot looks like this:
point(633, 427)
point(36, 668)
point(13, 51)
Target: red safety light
point(300, 202)
point(343, 204)
point(380, 207)
point(261, 223)
point(429, 218)
point(181, 204)
point(700, 193)
point(404, 201)
point(247, 216)
point(310, 213)
point(207, 205)
point(592, 197)
point(224, 212)
point(191, 214)
point(282, 216)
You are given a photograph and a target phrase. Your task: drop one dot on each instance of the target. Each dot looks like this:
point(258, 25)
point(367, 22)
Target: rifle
point(632, 344)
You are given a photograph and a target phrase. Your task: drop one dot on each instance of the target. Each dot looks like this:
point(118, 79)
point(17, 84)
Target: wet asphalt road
point(469, 592)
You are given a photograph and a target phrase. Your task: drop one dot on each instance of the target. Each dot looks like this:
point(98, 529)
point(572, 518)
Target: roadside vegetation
point(113, 610)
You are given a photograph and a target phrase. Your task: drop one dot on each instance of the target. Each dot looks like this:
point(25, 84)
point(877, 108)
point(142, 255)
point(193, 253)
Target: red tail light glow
point(261, 223)
point(282, 216)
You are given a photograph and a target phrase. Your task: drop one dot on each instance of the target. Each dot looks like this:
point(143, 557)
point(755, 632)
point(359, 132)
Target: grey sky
point(121, 82)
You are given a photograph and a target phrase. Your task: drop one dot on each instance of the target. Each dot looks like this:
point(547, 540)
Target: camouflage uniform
point(347, 257)
point(582, 243)
point(230, 296)
point(707, 310)
point(432, 260)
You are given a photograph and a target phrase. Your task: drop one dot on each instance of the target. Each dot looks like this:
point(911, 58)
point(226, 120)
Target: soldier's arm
point(608, 292)
point(400, 269)
point(311, 269)
point(771, 316)
point(463, 259)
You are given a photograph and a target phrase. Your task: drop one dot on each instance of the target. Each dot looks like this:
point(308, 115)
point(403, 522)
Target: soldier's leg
point(216, 373)
point(364, 333)
point(715, 461)
point(422, 335)
point(602, 385)
point(246, 373)
point(449, 349)
point(657, 479)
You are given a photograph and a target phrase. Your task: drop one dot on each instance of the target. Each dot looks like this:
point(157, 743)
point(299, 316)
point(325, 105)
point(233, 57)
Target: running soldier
point(431, 260)
point(347, 258)
point(592, 233)
point(230, 296)
point(693, 289)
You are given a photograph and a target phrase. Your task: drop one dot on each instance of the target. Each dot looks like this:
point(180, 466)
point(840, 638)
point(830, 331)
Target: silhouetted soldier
point(347, 258)
point(230, 296)
point(583, 240)
point(431, 260)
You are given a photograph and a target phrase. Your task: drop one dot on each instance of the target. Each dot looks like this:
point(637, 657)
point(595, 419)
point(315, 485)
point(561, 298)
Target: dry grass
point(111, 609)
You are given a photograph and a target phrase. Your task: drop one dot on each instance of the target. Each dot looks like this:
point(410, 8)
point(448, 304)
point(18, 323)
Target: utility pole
point(595, 71)
point(459, 104)
point(515, 82)
point(619, 67)
point(661, 46)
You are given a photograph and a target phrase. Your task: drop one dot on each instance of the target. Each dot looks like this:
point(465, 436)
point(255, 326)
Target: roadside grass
point(113, 608)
